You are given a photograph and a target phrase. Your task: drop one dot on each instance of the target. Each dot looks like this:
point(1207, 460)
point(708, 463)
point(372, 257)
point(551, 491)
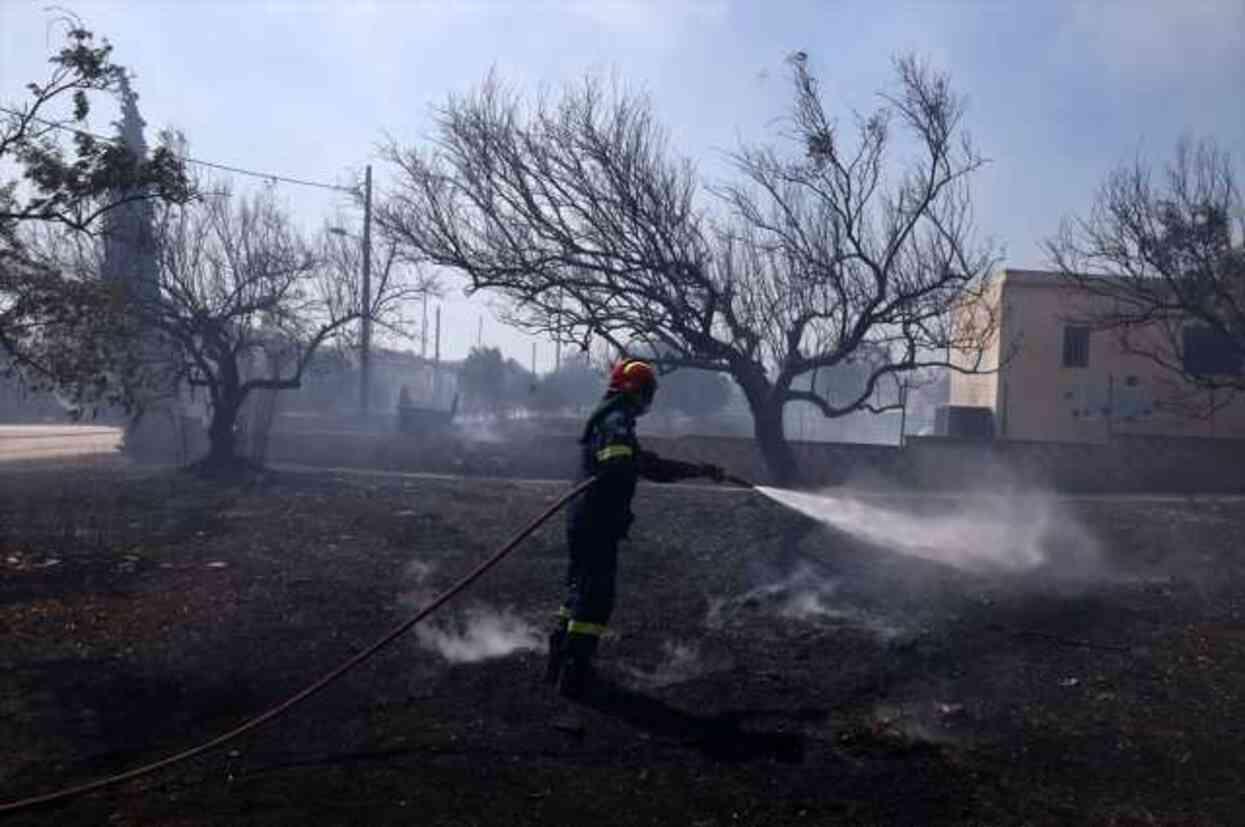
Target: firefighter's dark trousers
point(590, 577)
point(589, 601)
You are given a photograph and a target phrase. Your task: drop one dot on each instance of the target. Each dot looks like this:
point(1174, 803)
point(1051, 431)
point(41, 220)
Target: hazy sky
point(1058, 92)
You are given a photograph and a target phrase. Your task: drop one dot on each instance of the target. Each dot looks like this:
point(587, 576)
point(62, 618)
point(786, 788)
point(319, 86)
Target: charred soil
point(764, 669)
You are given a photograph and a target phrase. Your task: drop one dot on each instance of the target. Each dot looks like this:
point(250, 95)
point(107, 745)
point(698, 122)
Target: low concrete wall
point(1128, 464)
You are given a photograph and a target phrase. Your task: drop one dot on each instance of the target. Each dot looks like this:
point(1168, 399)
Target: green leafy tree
point(576, 385)
point(58, 329)
point(482, 381)
point(492, 384)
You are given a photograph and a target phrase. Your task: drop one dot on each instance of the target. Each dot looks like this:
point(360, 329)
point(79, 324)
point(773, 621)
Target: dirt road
point(38, 443)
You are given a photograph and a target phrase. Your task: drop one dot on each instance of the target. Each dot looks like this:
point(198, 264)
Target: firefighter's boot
point(557, 652)
point(577, 672)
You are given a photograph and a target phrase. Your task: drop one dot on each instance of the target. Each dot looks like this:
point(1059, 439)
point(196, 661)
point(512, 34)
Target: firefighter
point(600, 517)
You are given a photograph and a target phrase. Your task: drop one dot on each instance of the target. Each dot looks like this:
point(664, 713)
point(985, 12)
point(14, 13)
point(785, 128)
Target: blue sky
point(1058, 92)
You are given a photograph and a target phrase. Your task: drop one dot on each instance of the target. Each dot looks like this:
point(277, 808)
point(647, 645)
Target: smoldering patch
point(418, 571)
point(468, 635)
point(418, 592)
point(804, 596)
point(678, 662)
point(919, 722)
point(479, 633)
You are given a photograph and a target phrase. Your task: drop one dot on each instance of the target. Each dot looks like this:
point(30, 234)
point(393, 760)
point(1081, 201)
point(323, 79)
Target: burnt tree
point(1163, 256)
point(821, 254)
point(243, 303)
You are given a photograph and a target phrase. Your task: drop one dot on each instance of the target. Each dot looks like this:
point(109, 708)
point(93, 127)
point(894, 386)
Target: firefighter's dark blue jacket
point(611, 452)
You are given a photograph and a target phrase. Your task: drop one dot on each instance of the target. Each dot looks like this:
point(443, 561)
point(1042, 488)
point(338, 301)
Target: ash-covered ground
point(871, 658)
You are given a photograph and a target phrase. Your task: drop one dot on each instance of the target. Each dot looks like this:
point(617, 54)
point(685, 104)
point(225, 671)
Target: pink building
point(1061, 381)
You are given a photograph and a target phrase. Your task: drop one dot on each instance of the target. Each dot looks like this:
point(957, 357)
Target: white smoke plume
point(815, 607)
point(800, 594)
point(473, 634)
point(803, 595)
point(478, 634)
point(976, 532)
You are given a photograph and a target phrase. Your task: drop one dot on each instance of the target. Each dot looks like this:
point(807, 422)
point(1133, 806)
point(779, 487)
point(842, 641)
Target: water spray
point(975, 532)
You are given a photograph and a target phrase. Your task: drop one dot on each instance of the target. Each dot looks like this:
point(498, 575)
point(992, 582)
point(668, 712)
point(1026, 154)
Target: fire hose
point(312, 689)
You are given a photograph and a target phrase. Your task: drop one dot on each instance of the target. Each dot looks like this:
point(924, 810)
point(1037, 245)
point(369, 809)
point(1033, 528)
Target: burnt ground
point(765, 669)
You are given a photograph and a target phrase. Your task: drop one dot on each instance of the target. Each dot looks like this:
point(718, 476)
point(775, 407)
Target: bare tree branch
point(1164, 263)
point(243, 303)
point(575, 210)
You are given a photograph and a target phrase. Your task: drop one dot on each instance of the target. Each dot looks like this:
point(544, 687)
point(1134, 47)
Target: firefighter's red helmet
point(633, 376)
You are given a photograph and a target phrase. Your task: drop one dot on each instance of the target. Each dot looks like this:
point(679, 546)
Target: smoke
point(801, 594)
point(805, 596)
point(680, 662)
point(813, 607)
point(974, 532)
point(476, 633)
point(419, 571)
point(479, 633)
point(479, 429)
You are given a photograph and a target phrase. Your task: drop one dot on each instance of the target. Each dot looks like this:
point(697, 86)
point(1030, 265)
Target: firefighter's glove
point(713, 472)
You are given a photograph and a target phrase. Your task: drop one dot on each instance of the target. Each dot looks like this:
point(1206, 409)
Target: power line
point(266, 176)
point(270, 177)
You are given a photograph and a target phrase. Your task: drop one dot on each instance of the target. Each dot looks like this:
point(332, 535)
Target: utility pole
point(557, 336)
point(365, 357)
point(480, 333)
point(436, 369)
point(423, 332)
point(903, 412)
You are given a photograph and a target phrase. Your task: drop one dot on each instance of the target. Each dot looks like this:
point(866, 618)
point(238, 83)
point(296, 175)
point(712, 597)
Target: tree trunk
point(222, 442)
point(772, 440)
point(766, 404)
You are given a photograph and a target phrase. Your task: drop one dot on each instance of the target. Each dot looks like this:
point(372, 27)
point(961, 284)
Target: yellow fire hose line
point(312, 689)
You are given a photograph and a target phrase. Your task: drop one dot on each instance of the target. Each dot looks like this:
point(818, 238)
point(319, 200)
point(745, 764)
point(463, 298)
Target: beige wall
point(1036, 398)
point(978, 390)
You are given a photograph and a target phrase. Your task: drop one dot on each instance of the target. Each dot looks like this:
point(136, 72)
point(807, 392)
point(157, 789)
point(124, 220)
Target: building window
point(1076, 346)
point(1208, 352)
